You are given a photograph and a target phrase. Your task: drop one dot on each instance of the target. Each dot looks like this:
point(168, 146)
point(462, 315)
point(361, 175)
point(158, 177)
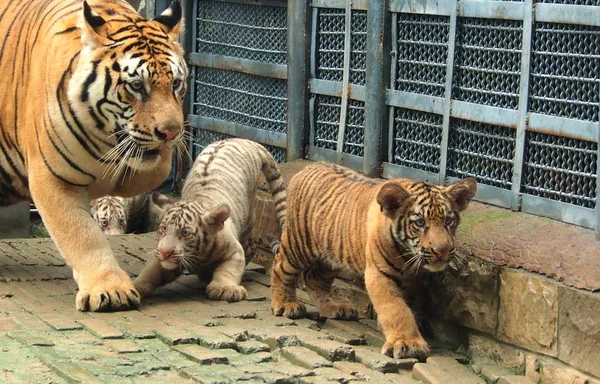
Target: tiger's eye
point(136, 85)
point(420, 222)
point(449, 220)
point(103, 223)
point(186, 233)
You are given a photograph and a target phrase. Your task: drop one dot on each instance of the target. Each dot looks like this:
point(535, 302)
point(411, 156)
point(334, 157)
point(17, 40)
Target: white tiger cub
point(119, 215)
point(208, 231)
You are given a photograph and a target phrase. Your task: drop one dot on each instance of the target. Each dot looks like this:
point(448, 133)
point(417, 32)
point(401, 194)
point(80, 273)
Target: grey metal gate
point(239, 72)
point(507, 92)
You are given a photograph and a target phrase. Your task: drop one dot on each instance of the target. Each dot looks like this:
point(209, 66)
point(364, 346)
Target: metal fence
point(507, 92)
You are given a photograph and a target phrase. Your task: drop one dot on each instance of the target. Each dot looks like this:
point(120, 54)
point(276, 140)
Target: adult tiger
point(91, 105)
point(385, 231)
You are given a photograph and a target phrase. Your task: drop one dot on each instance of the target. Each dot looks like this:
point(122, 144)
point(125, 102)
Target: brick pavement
point(178, 335)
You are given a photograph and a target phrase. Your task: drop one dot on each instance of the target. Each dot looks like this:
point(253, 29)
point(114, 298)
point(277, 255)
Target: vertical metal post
point(190, 46)
point(375, 86)
point(345, 80)
point(598, 183)
point(520, 136)
point(297, 82)
point(448, 92)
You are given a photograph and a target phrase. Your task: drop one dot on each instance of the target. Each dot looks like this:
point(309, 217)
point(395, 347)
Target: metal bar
point(562, 126)
point(448, 91)
point(568, 14)
point(334, 88)
point(491, 10)
point(251, 67)
point(267, 3)
point(191, 46)
point(392, 87)
point(598, 181)
point(276, 139)
point(416, 101)
point(558, 210)
point(484, 113)
point(355, 4)
point(345, 77)
point(520, 136)
point(374, 86)
point(427, 7)
point(393, 171)
point(297, 83)
point(331, 156)
point(313, 43)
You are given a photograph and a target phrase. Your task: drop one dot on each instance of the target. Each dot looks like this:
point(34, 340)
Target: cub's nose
point(165, 254)
point(168, 132)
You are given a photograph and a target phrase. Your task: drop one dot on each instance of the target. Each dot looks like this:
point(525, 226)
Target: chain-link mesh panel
point(330, 44)
point(482, 151)
point(561, 169)
point(422, 53)
point(255, 101)
point(488, 62)
point(417, 139)
point(202, 138)
point(565, 71)
point(327, 121)
point(571, 2)
point(354, 135)
point(358, 47)
point(247, 31)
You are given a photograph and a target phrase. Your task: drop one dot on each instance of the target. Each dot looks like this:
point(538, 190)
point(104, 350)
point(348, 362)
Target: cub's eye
point(449, 220)
point(419, 222)
point(122, 222)
point(136, 85)
point(103, 223)
point(186, 232)
point(177, 85)
point(162, 229)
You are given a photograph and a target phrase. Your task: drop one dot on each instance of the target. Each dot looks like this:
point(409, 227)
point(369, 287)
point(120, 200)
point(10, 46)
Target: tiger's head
point(129, 83)
point(111, 214)
point(422, 218)
point(188, 232)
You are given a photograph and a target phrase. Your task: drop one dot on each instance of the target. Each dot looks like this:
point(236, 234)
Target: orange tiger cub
point(385, 231)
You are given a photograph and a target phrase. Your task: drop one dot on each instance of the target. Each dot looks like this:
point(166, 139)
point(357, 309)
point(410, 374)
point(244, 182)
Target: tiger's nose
point(168, 132)
point(165, 254)
point(441, 253)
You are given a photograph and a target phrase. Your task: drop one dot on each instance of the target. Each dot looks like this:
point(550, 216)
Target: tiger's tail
point(273, 243)
point(275, 181)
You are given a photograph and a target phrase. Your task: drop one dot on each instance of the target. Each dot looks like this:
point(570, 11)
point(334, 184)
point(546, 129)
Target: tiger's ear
point(171, 20)
point(393, 199)
point(161, 201)
point(93, 28)
point(215, 218)
point(462, 192)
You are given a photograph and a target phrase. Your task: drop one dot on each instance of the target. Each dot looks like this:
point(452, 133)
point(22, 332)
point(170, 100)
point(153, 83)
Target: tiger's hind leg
point(318, 280)
point(284, 278)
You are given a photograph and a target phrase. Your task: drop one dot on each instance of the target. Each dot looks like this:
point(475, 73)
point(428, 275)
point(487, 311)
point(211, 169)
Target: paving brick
point(176, 335)
point(101, 328)
point(333, 374)
point(491, 373)
point(123, 346)
point(444, 370)
point(252, 346)
point(30, 339)
point(210, 337)
point(8, 325)
point(201, 355)
point(361, 372)
point(514, 379)
point(331, 350)
point(304, 357)
point(374, 359)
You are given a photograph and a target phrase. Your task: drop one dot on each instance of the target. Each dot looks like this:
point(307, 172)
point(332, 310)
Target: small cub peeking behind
point(208, 231)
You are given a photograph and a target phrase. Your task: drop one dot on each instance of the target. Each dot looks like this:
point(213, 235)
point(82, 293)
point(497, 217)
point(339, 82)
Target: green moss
point(469, 220)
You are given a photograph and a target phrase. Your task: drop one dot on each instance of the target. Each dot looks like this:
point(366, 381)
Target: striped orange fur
point(385, 231)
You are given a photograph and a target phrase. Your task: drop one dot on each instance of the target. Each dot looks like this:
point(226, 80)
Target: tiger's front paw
point(227, 292)
point(290, 309)
point(402, 348)
point(341, 311)
point(110, 290)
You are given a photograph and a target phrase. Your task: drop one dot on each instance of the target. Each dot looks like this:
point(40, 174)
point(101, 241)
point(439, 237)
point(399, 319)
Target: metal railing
point(507, 92)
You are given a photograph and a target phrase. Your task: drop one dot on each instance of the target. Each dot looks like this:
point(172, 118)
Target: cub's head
point(188, 231)
point(111, 214)
point(424, 218)
point(129, 84)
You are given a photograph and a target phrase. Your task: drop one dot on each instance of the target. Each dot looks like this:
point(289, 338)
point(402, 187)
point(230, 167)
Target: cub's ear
point(215, 218)
point(170, 20)
point(93, 27)
point(161, 201)
point(393, 199)
point(462, 192)
point(93, 205)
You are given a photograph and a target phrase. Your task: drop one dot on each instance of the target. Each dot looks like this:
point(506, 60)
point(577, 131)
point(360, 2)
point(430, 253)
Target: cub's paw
point(401, 348)
point(108, 291)
point(290, 309)
point(230, 293)
point(341, 311)
point(145, 289)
